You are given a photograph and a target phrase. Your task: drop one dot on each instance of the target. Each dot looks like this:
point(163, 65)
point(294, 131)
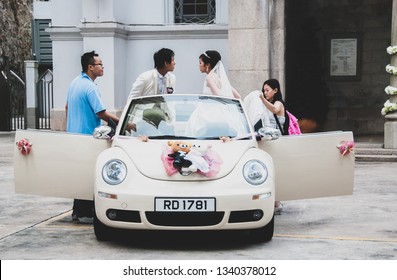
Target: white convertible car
point(184, 162)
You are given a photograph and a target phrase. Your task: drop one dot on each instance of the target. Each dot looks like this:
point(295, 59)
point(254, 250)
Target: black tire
point(263, 234)
point(102, 231)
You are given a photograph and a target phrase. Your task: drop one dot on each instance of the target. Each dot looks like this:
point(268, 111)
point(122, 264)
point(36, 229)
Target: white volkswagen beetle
point(190, 162)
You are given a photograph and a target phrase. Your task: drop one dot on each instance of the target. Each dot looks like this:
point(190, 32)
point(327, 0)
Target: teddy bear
point(179, 151)
point(196, 157)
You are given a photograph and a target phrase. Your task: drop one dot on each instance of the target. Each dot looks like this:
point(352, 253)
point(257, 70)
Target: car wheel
point(102, 231)
point(263, 234)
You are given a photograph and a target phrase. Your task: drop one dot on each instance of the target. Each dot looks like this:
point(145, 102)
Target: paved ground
point(362, 226)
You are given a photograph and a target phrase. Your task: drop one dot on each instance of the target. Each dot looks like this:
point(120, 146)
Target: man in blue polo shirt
point(84, 111)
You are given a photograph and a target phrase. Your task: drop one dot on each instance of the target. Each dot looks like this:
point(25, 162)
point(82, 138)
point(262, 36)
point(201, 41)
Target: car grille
point(123, 215)
point(245, 216)
point(180, 219)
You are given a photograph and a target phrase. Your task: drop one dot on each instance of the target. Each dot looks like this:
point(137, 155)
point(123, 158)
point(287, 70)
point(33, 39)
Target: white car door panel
point(59, 164)
point(63, 164)
point(310, 165)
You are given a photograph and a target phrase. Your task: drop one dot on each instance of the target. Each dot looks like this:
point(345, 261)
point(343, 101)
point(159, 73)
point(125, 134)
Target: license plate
point(166, 204)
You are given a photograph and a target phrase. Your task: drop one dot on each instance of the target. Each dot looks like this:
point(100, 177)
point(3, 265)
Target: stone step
point(376, 158)
point(360, 145)
point(375, 151)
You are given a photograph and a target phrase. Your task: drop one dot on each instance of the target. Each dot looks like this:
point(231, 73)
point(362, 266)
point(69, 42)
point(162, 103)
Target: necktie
point(161, 84)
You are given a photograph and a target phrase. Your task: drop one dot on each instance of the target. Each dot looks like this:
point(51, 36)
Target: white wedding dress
point(257, 111)
point(219, 74)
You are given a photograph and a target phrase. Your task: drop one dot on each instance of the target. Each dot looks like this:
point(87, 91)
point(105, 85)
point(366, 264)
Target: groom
point(159, 80)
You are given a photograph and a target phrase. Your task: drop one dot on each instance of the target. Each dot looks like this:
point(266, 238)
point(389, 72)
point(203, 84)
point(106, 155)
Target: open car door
point(59, 164)
point(311, 165)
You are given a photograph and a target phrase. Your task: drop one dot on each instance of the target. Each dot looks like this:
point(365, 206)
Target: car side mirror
point(268, 133)
point(103, 132)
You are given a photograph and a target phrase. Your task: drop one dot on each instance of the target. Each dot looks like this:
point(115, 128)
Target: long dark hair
point(274, 84)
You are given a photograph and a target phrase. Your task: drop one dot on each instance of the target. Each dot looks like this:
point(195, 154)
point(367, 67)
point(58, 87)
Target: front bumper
point(238, 205)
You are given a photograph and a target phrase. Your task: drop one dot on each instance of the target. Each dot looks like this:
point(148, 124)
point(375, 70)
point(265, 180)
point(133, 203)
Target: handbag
point(291, 125)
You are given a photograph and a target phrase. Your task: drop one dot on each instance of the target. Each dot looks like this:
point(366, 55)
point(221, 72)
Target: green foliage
point(15, 34)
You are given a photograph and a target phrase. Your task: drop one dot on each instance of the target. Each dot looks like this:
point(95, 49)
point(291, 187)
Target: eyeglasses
point(100, 64)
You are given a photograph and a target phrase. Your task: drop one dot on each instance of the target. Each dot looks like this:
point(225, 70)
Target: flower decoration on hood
point(187, 158)
point(24, 146)
point(346, 147)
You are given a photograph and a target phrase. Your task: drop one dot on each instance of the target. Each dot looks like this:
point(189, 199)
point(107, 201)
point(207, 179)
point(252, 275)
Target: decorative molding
point(172, 32)
point(64, 34)
point(136, 32)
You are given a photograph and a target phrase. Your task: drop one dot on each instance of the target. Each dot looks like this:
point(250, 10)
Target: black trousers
point(83, 208)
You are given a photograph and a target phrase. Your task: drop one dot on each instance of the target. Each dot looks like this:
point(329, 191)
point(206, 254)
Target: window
point(194, 11)
point(42, 45)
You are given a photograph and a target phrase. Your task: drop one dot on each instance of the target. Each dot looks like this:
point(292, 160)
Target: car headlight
point(114, 172)
point(255, 172)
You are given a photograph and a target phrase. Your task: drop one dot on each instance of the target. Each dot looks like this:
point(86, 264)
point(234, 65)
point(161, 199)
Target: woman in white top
point(216, 82)
point(273, 101)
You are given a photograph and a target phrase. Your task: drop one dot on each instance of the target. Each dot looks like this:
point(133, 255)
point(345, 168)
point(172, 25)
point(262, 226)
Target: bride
point(216, 82)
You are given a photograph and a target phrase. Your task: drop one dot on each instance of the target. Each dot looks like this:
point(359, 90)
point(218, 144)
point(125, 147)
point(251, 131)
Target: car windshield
point(185, 116)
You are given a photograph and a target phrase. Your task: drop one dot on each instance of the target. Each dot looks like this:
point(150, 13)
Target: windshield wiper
point(170, 137)
point(198, 138)
point(230, 137)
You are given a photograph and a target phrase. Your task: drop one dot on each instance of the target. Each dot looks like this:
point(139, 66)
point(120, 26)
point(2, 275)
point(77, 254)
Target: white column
point(391, 118)
point(108, 40)
point(256, 43)
point(31, 74)
point(102, 32)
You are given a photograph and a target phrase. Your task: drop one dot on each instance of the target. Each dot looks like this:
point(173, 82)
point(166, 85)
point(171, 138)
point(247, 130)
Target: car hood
point(212, 158)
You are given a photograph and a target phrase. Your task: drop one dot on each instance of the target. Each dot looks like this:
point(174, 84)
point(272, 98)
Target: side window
point(194, 11)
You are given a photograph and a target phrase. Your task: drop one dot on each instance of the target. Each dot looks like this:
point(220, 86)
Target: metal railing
point(13, 100)
point(17, 101)
point(45, 100)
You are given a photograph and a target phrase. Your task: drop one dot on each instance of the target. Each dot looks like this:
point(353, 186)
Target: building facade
point(330, 56)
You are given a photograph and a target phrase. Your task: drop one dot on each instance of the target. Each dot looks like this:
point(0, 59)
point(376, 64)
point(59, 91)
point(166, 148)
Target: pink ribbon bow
point(24, 146)
point(346, 147)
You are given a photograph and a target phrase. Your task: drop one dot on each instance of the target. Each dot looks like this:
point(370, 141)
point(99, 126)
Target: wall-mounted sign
point(344, 54)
